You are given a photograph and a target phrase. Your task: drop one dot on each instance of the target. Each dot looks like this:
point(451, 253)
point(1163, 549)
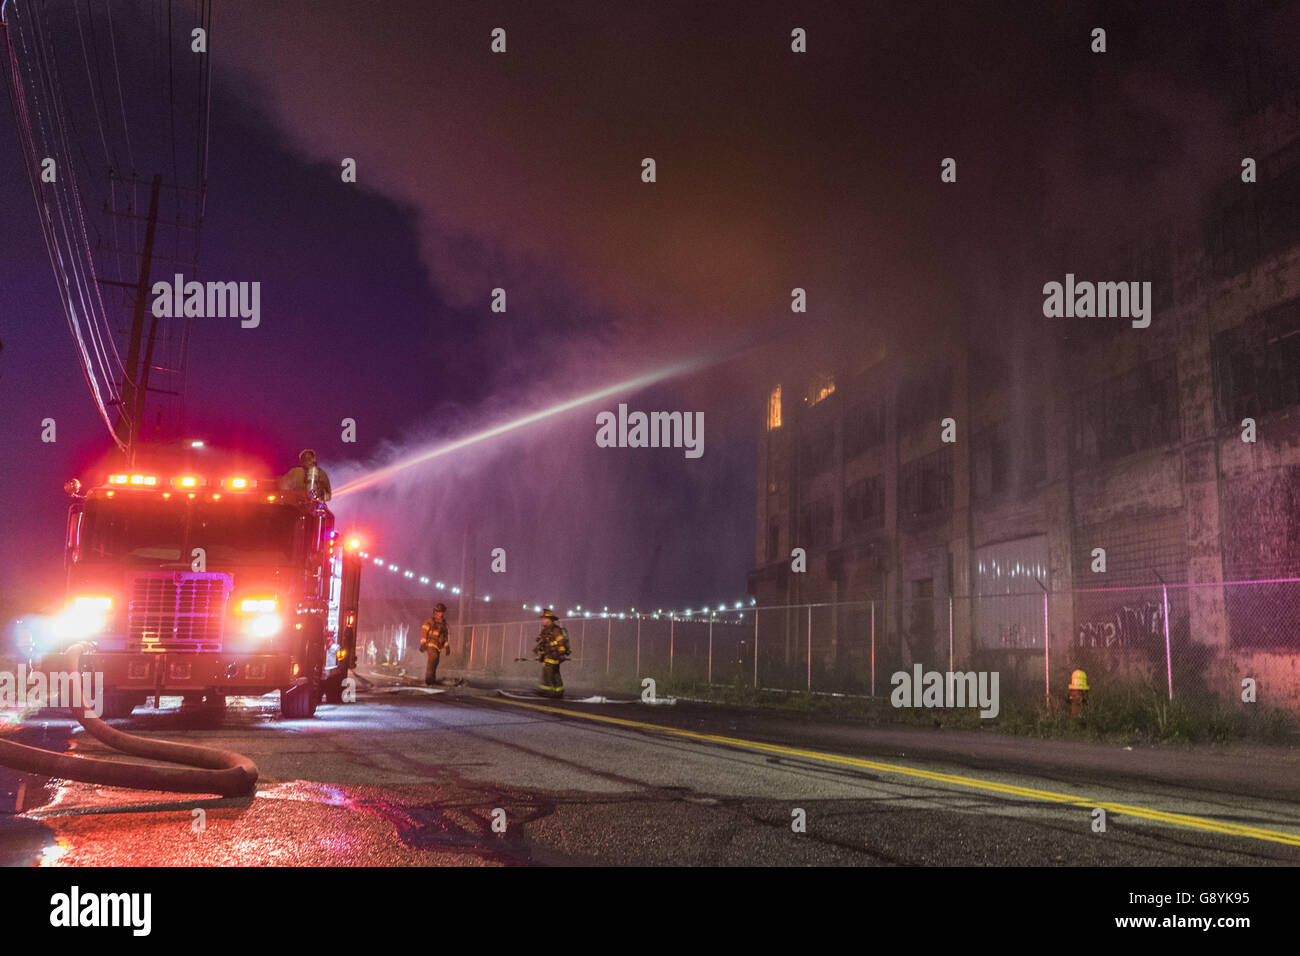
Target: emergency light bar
point(137, 480)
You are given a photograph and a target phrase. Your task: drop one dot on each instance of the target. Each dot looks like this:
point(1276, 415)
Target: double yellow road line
point(974, 783)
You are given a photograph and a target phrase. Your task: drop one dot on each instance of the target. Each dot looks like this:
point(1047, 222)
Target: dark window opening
point(817, 449)
point(816, 524)
point(925, 485)
point(1127, 413)
point(864, 505)
point(1257, 365)
point(864, 428)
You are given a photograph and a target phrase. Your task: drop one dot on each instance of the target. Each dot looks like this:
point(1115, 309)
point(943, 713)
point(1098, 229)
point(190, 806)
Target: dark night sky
point(522, 171)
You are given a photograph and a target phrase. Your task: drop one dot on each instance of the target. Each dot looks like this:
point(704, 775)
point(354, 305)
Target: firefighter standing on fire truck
point(552, 649)
point(434, 637)
point(308, 476)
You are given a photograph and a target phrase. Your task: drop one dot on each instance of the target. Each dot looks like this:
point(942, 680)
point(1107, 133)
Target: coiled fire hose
point(207, 770)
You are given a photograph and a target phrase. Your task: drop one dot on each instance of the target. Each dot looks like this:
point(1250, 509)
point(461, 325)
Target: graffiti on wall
point(1129, 626)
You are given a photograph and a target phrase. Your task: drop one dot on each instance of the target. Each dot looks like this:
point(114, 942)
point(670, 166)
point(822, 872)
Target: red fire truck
point(209, 583)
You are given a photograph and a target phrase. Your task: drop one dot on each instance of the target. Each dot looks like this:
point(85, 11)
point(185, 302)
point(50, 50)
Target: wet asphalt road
point(404, 777)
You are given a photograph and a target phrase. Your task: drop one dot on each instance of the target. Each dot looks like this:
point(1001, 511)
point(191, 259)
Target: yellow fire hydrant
point(1078, 693)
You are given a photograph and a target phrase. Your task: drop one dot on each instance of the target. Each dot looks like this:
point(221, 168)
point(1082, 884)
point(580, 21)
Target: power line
point(26, 137)
point(94, 100)
point(72, 218)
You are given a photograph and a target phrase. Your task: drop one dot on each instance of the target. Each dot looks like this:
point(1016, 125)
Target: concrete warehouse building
point(1092, 434)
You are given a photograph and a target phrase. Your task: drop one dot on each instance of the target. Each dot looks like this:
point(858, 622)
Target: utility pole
point(133, 392)
point(464, 585)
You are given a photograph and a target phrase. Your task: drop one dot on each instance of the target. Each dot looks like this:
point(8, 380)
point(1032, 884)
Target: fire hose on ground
point(206, 770)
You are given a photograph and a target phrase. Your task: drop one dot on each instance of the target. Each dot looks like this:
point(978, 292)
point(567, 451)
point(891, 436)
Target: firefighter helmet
point(440, 606)
point(1078, 681)
point(548, 613)
point(307, 453)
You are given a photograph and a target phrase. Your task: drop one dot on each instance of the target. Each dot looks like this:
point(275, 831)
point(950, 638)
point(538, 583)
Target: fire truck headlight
point(264, 625)
point(261, 617)
point(84, 617)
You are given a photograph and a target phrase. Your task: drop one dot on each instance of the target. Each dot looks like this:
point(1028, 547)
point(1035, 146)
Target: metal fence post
point(755, 648)
point(709, 678)
point(671, 625)
point(609, 629)
point(810, 647)
point(638, 647)
point(1169, 661)
point(581, 637)
point(1047, 653)
point(503, 645)
point(950, 639)
point(873, 648)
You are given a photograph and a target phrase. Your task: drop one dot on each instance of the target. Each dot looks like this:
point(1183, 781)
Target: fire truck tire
point(299, 703)
point(334, 687)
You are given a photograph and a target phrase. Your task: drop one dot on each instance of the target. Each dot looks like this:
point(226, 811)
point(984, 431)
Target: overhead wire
point(126, 132)
point(45, 99)
point(71, 215)
point(115, 171)
point(27, 139)
point(85, 267)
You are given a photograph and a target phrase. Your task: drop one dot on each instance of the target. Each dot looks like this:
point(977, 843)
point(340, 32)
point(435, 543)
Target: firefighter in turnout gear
point(552, 650)
point(308, 477)
point(434, 637)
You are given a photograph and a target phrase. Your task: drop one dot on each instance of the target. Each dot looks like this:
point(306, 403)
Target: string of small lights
point(723, 611)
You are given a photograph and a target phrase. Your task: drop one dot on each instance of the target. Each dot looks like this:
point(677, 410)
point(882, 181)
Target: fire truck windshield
point(153, 532)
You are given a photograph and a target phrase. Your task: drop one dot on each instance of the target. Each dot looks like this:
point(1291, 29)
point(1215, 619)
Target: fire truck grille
point(178, 611)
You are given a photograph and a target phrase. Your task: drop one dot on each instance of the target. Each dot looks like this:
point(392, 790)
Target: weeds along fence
point(1187, 642)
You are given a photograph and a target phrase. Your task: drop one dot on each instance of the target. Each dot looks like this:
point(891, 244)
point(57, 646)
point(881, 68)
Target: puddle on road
point(459, 819)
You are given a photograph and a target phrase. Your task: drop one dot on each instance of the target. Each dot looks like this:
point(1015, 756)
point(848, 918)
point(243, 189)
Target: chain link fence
point(1179, 641)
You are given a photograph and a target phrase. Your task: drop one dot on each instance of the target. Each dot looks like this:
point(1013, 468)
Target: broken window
point(925, 485)
point(1257, 365)
point(1128, 413)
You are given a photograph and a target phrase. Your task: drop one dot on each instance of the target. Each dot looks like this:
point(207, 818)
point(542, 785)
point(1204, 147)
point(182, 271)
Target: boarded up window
point(1008, 596)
